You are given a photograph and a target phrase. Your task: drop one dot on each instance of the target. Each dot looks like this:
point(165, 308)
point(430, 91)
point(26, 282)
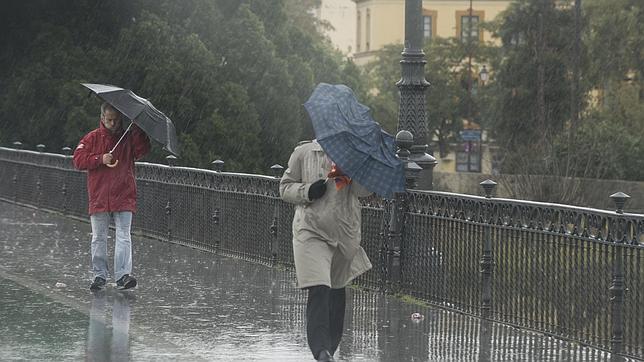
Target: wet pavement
point(192, 305)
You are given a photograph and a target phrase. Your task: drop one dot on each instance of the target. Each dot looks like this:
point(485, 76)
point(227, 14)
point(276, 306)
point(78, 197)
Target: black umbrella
point(140, 111)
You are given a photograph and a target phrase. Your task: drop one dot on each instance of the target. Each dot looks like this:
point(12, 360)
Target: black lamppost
point(484, 75)
point(469, 70)
point(412, 115)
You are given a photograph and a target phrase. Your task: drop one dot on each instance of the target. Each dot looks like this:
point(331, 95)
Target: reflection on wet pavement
point(99, 337)
point(192, 305)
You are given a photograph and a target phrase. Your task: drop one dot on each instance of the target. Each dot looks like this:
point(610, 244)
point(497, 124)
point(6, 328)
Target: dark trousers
point(325, 318)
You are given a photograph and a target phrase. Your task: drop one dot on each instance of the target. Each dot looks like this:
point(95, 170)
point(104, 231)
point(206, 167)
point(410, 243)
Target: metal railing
point(566, 271)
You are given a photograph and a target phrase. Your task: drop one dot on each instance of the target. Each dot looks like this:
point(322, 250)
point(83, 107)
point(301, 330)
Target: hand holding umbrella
point(109, 163)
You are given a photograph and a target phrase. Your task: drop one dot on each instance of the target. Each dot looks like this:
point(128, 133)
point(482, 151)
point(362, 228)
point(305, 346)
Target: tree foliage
point(532, 84)
point(232, 75)
point(537, 69)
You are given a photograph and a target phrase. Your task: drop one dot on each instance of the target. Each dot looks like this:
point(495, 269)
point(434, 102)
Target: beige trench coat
point(327, 231)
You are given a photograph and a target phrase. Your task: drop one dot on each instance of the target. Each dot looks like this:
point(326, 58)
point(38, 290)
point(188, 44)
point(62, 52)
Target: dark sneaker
point(97, 284)
point(126, 282)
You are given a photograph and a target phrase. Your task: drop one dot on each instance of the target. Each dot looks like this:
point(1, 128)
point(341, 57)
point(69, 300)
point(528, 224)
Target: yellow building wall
point(341, 14)
point(387, 21)
point(447, 12)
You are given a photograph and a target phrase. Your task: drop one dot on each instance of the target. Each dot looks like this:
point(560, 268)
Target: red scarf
point(341, 180)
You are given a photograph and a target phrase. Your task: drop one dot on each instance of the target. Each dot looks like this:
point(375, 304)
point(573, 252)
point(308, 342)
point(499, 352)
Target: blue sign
point(470, 134)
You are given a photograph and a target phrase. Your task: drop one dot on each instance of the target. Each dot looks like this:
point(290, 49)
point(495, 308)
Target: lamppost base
point(427, 162)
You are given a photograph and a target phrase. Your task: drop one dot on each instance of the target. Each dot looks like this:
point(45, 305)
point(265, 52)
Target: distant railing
point(566, 271)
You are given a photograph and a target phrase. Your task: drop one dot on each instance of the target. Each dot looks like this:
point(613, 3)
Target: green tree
point(615, 38)
point(614, 128)
point(534, 92)
point(232, 75)
point(531, 79)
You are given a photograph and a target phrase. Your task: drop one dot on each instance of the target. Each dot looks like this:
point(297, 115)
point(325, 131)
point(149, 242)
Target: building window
point(368, 30)
point(467, 25)
point(468, 158)
point(358, 33)
point(427, 27)
point(470, 28)
point(517, 39)
point(429, 24)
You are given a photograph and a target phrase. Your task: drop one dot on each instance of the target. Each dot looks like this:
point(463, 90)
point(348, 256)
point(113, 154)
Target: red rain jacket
point(111, 189)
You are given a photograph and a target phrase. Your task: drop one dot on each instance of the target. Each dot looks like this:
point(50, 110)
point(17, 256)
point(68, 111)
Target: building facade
point(382, 22)
point(341, 15)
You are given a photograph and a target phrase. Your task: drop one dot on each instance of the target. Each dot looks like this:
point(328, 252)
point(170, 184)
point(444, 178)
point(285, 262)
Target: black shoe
point(97, 284)
point(325, 356)
point(126, 282)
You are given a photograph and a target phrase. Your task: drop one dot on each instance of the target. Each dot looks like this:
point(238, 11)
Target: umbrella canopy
point(354, 141)
point(140, 111)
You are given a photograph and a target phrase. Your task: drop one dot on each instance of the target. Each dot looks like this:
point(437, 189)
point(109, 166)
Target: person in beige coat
point(326, 241)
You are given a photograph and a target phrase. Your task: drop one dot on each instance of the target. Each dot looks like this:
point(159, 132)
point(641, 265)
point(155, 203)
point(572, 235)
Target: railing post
point(66, 151)
point(18, 146)
point(14, 181)
point(485, 340)
point(487, 260)
point(39, 189)
point(40, 147)
point(618, 283)
point(404, 141)
point(172, 161)
point(275, 247)
point(218, 165)
point(393, 276)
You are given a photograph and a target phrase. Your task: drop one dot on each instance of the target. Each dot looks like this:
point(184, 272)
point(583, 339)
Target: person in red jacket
point(111, 189)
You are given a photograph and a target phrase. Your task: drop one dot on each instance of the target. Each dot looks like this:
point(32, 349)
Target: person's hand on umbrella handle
point(317, 189)
point(107, 160)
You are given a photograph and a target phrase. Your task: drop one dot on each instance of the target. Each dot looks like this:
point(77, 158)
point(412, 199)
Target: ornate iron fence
point(566, 271)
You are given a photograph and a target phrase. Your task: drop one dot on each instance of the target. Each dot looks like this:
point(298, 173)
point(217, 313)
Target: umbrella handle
point(112, 165)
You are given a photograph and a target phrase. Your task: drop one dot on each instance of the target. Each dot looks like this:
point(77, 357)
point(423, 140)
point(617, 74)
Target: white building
point(341, 14)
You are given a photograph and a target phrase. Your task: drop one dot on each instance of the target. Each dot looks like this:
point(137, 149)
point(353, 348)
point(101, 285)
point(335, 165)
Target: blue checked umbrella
point(353, 140)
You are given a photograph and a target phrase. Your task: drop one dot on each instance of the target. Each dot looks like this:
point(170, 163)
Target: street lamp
point(483, 75)
point(412, 114)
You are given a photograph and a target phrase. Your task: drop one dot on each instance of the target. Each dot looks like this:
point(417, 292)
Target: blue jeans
point(122, 248)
